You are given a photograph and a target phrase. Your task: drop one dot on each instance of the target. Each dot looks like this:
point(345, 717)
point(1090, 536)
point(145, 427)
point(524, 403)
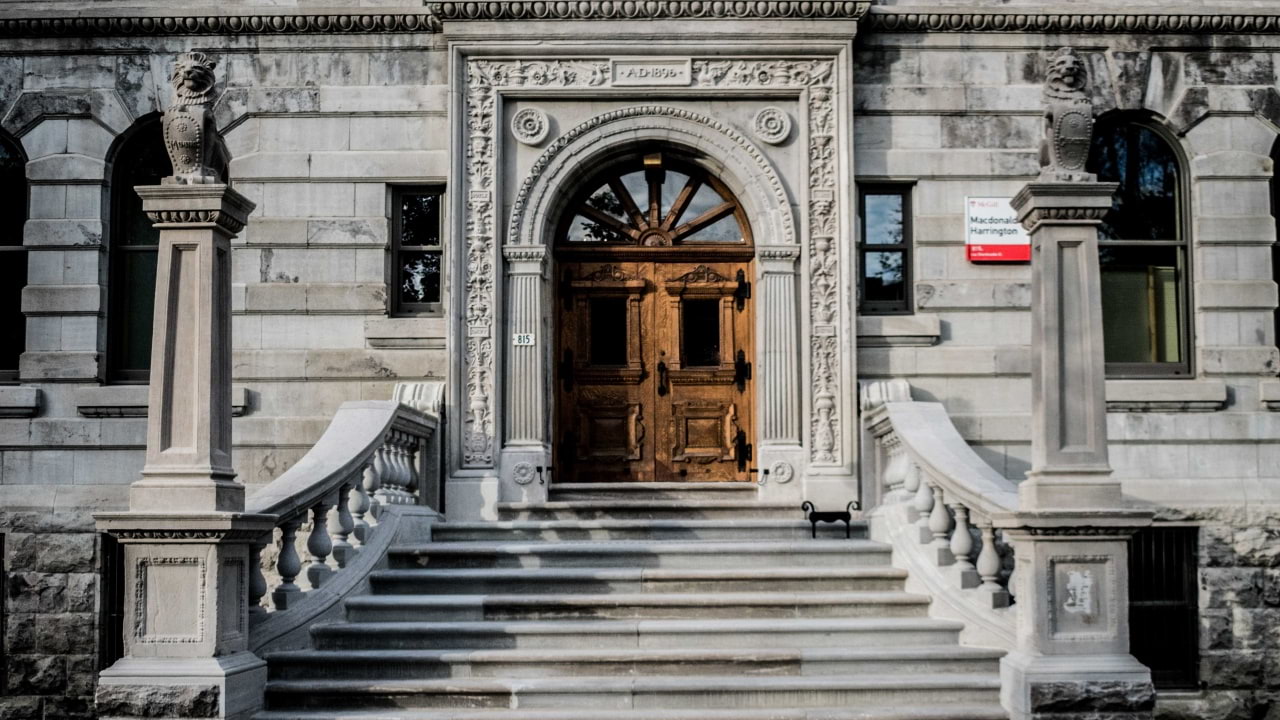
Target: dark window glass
point(1164, 623)
point(13, 257)
point(700, 333)
point(609, 331)
point(139, 160)
point(885, 251)
point(1142, 252)
point(417, 226)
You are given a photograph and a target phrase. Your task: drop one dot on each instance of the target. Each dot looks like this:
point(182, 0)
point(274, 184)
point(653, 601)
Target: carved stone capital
point(187, 206)
point(1063, 203)
point(525, 259)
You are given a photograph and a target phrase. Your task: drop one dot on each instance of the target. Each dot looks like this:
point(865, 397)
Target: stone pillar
point(779, 347)
point(526, 445)
point(1071, 533)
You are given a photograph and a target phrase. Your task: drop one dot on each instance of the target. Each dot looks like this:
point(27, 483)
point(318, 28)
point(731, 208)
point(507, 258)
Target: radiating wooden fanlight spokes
point(655, 206)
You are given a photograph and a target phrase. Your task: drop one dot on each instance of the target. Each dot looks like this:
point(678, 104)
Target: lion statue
point(1068, 120)
point(190, 135)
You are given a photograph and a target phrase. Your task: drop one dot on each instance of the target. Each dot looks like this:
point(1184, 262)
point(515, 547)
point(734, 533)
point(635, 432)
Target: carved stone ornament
point(782, 472)
point(522, 473)
point(772, 125)
point(1068, 120)
point(190, 135)
point(530, 126)
point(485, 79)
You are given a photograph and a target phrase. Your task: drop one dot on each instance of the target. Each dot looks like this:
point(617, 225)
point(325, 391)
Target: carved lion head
point(1068, 75)
point(193, 75)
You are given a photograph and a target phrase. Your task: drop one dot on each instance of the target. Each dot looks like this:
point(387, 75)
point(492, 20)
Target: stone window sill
point(405, 332)
point(899, 330)
point(1271, 394)
point(1166, 395)
point(19, 402)
point(130, 401)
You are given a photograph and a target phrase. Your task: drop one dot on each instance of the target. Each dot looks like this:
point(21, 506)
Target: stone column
point(779, 346)
point(1071, 533)
point(525, 446)
point(186, 534)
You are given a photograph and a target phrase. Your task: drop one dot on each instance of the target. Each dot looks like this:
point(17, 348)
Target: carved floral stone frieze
point(812, 80)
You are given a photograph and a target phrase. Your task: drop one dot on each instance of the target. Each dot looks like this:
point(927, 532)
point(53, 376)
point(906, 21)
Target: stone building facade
point(335, 121)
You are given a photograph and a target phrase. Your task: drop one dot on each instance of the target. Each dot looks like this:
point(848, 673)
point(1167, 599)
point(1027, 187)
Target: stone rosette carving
point(813, 80)
point(190, 135)
point(522, 473)
point(772, 125)
point(1068, 120)
point(530, 126)
point(782, 472)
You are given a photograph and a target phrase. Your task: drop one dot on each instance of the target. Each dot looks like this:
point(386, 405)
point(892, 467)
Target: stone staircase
point(671, 602)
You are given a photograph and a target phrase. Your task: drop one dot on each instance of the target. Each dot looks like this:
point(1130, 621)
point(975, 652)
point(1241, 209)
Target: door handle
point(663, 387)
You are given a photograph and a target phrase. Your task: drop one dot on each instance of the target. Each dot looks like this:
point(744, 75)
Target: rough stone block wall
point(51, 608)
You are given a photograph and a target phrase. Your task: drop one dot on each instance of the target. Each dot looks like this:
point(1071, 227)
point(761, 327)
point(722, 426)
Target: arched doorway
point(654, 323)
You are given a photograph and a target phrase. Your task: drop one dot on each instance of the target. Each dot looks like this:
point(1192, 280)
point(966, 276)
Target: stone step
point(604, 693)
point(898, 711)
point(559, 530)
point(622, 634)
point(667, 554)
point(652, 491)
point(646, 510)
point(674, 606)
point(619, 580)
point(425, 664)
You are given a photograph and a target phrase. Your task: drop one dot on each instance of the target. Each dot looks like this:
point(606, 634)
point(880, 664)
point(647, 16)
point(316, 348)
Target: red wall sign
point(992, 232)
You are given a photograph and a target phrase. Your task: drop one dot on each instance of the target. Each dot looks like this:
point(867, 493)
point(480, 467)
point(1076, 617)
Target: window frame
point(9, 251)
point(1184, 369)
point(117, 288)
point(906, 306)
point(395, 306)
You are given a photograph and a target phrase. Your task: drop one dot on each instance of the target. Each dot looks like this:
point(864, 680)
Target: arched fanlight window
point(656, 201)
point(138, 159)
point(1143, 250)
point(13, 256)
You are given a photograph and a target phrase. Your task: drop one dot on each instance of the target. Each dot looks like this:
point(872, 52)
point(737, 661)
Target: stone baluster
point(288, 565)
point(371, 483)
point(405, 465)
point(923, 504)
point(411, 457)
point(939, 525)
point(382, 468)
point(988, 566)
point(341, 525)
point(257, 580)
point(910, 486)
point(895, 469)
point(358, 507)
point(319, 544)
point(962, 546)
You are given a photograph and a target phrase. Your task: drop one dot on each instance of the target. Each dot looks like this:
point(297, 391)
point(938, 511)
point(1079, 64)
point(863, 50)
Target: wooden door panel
point(702, 326)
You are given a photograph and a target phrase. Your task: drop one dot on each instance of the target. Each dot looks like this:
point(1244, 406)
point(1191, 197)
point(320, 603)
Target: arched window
point(139, 158)
point(13, 256)
point(1143, 250)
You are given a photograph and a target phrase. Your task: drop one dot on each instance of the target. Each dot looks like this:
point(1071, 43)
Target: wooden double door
point(654, 379)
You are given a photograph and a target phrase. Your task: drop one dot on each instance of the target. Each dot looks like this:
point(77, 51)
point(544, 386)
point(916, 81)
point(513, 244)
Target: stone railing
point(940, 505)
point(339, 506)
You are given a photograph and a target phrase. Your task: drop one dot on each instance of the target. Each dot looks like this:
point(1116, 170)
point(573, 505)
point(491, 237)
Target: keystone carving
point(190, 135)
point(1068, 120)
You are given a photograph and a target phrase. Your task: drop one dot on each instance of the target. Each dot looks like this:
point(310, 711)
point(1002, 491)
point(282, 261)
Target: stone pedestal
point(186, 535)
point(1071, 533)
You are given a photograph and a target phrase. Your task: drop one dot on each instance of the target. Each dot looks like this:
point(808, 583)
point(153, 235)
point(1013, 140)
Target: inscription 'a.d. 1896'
point(652, 72)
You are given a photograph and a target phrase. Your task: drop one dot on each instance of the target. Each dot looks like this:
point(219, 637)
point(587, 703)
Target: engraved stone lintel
point(649, 72)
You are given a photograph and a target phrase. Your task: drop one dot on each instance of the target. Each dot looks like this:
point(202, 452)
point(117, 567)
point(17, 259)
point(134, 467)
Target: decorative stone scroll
point(812, 79)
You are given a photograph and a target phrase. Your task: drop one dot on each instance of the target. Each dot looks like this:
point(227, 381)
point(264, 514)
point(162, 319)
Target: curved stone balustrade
point(370, 461)
point(938, 503)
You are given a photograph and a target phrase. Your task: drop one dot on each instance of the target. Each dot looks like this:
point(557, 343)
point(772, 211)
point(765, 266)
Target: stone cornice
point(1028, 21)
point(650, 9)
point(264, 24)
